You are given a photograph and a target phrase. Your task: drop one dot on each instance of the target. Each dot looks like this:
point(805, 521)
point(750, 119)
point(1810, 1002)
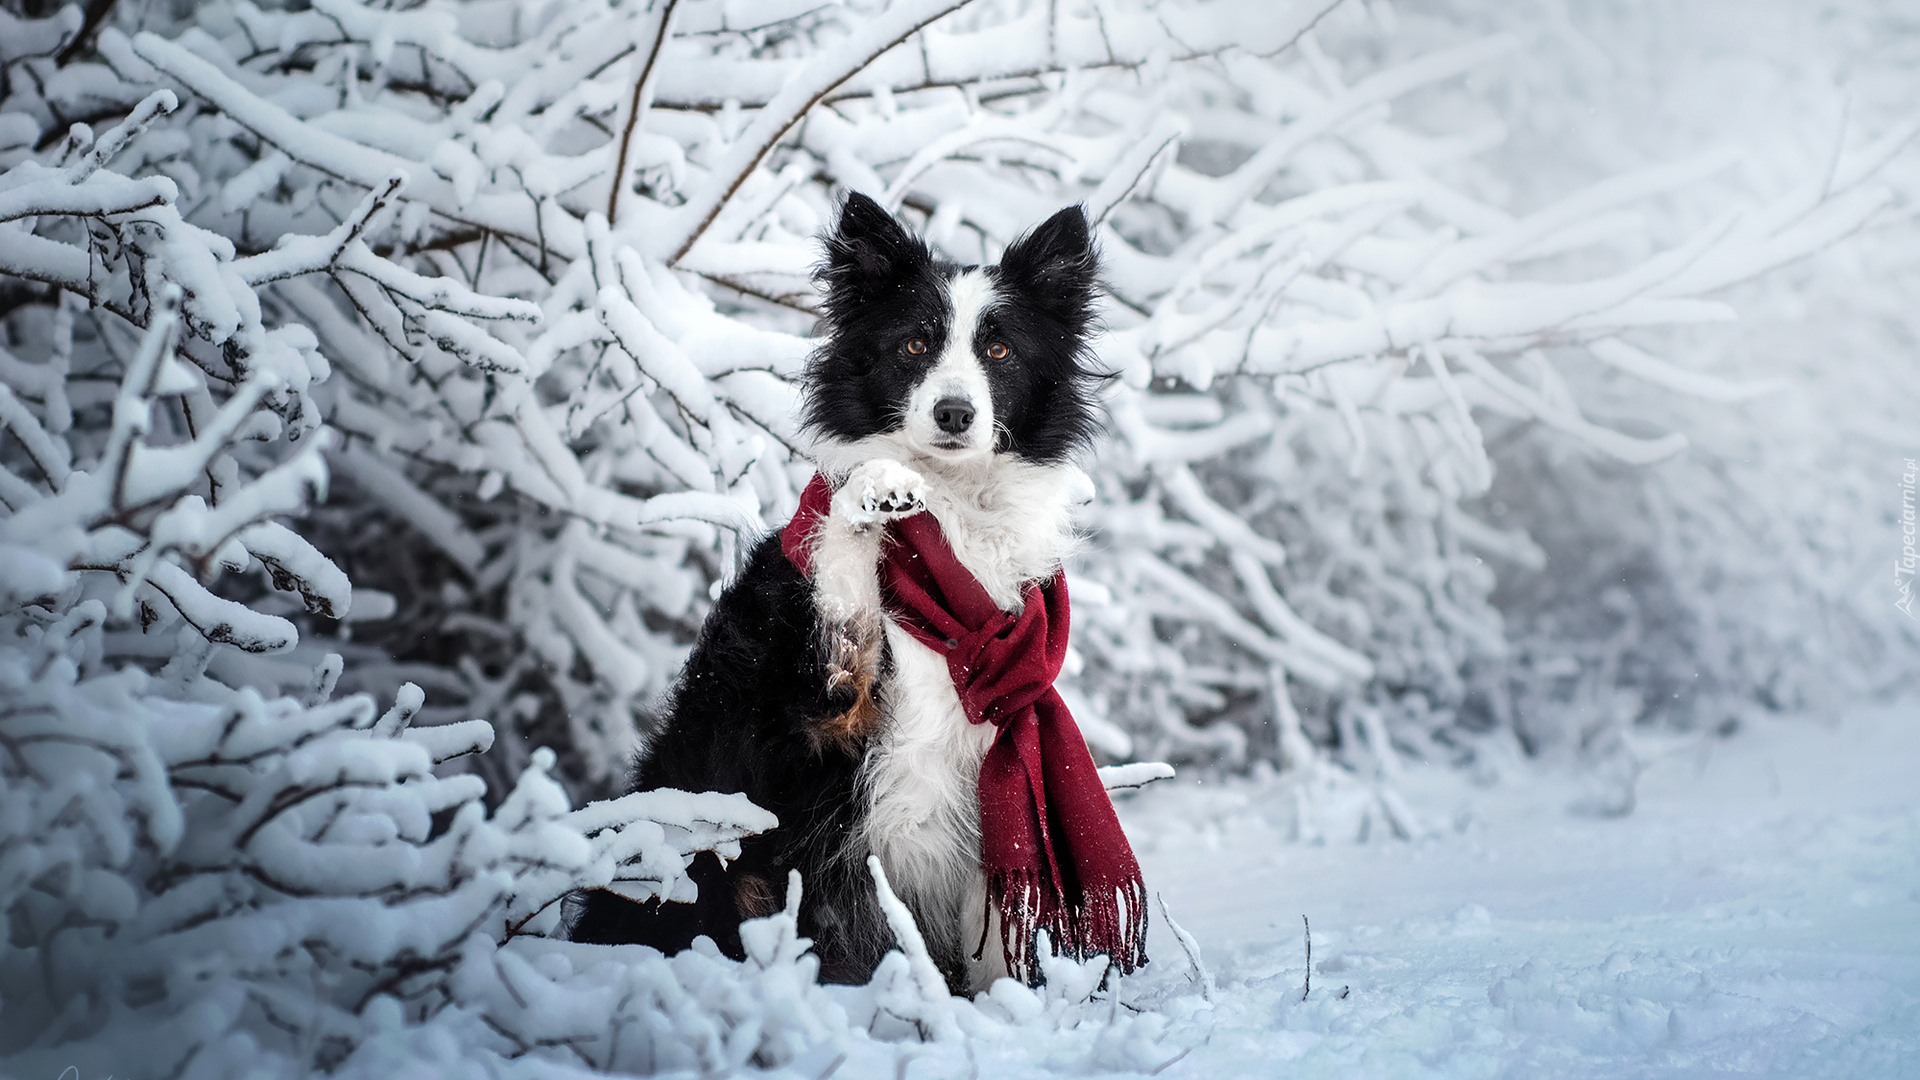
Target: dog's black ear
point(869, 254)
point(1056, 267)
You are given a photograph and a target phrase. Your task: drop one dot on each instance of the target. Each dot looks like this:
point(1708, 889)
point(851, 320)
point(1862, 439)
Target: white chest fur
point(1009, 523)
point(921, 781)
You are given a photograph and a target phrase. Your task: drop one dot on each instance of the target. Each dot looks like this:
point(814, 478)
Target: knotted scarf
point(1054, 855)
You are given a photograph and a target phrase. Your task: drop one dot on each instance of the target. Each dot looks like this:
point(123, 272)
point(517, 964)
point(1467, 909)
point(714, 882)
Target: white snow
point(1136, 774)
point(1758, 914)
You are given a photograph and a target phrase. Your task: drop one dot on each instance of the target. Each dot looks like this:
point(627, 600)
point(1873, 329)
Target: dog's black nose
point(954, 415)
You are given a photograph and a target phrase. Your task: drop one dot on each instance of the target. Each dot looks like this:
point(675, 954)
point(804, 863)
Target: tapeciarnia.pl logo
point(1903, 567)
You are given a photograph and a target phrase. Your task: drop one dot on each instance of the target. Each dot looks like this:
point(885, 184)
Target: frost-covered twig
point(934, 1010)
point(1190, 947)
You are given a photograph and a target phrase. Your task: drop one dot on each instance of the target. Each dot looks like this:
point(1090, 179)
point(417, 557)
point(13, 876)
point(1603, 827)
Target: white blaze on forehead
point(957, 372)
point(971, 295)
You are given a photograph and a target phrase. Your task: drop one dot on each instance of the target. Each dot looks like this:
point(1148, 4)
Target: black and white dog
point(963, 390)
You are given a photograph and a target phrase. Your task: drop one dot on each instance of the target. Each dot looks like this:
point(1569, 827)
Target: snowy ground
point(1758, 914)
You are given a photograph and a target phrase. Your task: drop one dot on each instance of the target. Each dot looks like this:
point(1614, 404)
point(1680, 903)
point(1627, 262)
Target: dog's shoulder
point(768, 591)
point(751, 682)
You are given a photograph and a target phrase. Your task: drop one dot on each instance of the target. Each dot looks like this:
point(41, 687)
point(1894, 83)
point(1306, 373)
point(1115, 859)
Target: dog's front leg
point(846, 584)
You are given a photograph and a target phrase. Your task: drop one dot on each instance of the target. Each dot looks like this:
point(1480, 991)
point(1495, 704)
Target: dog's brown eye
point(997, 351)
point(916, 347)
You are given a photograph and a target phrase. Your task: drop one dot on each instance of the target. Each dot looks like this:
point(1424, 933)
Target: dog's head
point(958, 362)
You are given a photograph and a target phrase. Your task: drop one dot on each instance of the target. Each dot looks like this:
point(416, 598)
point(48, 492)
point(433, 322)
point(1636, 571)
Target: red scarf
point(1051, 846)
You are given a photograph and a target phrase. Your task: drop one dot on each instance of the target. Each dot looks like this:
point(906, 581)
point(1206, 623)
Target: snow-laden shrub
point(1748, 571)
point(204, 876)
point(200, 876)
point(1319, 311)
point(1318, 306)
point(200, 880)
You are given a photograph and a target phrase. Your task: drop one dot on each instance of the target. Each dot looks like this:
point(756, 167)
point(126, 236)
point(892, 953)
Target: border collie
point(961, 390)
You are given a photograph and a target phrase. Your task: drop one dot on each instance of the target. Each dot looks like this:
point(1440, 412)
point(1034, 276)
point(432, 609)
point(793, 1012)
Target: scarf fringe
point(1112, 922)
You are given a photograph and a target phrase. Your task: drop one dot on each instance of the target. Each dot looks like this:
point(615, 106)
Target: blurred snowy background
point(1513, 401)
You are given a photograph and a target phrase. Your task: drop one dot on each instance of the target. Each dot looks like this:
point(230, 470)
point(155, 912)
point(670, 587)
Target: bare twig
point(1309, 928)
point(642, 86)
point(97, 12)
point(814, 82)
point(989, 68)
point(514, 928)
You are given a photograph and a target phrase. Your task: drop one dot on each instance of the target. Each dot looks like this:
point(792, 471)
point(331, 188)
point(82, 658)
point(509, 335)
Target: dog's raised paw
point(881, 490)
